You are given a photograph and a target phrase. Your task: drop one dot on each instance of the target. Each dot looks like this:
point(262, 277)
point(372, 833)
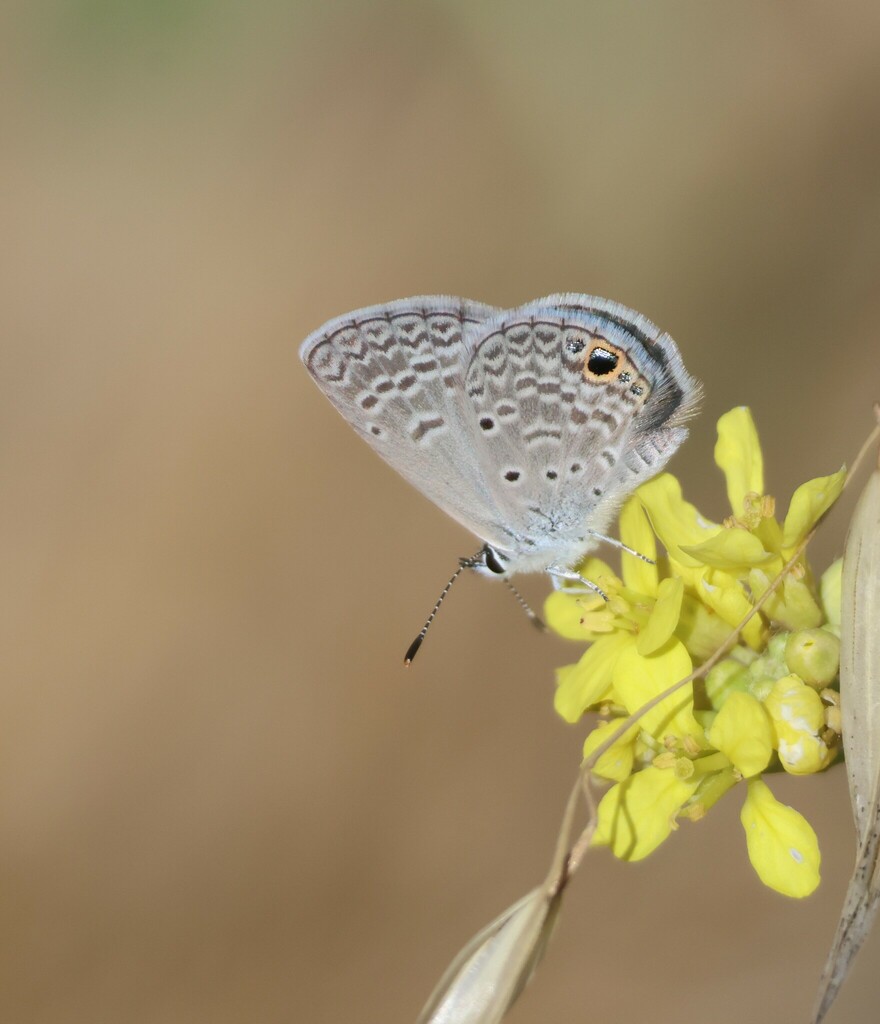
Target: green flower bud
point(773, 660)
point(771, 664)
point(761, 688)
point(725, 678)
point(814, 655)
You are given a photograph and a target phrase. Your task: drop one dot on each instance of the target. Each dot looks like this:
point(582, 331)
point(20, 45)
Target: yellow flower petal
point(742, 730)
point(792, 605)
point(636, 815)
point(724, 594)
point(699, 627)
point(674, 520)
point(616, 763)
point(730, 549)
point(810, 501)
point(782, 846)
point(585, 684)
point(829, 588)
point(663, 618)
point(738, 454)
point(564, 614)
point(769, 533)
point(636, 532)
point(637, 679)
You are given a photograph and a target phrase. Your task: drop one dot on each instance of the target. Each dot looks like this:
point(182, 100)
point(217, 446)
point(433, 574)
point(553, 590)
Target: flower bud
point(727, 677)
point(814, 655)
point(798, 715)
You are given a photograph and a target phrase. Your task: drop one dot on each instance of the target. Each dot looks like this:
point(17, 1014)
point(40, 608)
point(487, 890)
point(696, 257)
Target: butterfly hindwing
point(577, 401)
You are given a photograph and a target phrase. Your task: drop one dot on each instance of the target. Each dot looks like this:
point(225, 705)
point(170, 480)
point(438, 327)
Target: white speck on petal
point(798, 722)
point(796, 855)
point(791, 753)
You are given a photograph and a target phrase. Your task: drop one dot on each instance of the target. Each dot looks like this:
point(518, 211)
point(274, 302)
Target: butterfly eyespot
point(551, 474)
point(636, 390)
point(512, 475)
point(575, 345)
point(487, 423)
point(625, 377)
point(375, 431)
point(601, 361)
point(575, 467)
point(597, 491)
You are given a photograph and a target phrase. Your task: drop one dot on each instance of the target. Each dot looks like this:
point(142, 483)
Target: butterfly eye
point(601, 362)
point(493, 561)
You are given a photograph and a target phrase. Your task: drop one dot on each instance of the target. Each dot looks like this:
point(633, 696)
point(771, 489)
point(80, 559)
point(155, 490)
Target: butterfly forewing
point(396, 373)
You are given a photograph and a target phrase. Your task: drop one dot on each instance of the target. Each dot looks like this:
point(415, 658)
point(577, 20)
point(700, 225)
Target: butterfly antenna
point(536, 620)
point(413, 649)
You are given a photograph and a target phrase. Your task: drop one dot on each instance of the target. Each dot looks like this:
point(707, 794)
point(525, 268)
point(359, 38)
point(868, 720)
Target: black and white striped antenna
point(465, 563)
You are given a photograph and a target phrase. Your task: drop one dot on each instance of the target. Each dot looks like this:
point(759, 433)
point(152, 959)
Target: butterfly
point(529, 426)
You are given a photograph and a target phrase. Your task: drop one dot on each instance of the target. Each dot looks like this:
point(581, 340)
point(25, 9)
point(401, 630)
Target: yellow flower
point(752, 714)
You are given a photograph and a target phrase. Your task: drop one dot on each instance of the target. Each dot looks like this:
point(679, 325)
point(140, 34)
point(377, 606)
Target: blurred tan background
point(222, 798)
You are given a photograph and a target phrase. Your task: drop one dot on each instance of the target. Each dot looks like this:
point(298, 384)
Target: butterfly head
point(488, 561)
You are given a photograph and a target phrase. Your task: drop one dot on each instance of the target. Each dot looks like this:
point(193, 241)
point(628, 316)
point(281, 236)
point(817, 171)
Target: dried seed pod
point(860, 655)
point(860, 710)
point(486, 977)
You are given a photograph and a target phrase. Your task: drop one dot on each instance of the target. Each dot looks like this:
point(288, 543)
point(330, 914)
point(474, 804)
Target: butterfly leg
point(623, 547)
point(559, 574)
